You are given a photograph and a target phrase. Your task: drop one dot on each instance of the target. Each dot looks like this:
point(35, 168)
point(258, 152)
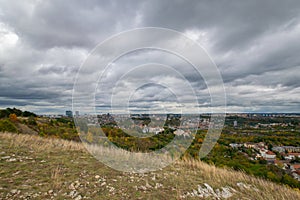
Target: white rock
point(158, 185)
point(102, 184)
point(73, 193)
point(148, 185)
point(14, 191)
point(153, 178)
point(226, 192)
point(79, 197)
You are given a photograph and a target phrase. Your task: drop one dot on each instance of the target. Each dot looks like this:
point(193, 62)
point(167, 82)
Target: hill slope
point(32, 167)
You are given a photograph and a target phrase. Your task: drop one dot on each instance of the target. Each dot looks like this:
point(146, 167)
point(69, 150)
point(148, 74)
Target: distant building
point(290, 149)
point(270, 155)
point(249, 145)
point(235, 123)
point(145, 129)
point(69, 113)
point(291, 156)
point(278, 149)
point(76, 113)
point(296, 175)
point(294, 167)
point(235, 145)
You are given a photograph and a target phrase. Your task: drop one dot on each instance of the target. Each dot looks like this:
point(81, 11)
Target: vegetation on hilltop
point(4, 113)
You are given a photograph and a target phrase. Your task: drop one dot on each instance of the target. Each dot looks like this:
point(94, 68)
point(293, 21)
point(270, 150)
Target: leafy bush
point(6, 125)
point(31, 121)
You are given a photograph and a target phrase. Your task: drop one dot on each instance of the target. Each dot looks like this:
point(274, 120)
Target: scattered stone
point(97, 177)
point(11, 160)
point(16, 173)
point(110, 188)
point(79, 197)
point(148, 185)
point(74, 186)
point(207, 191)
point(14, 191)
point(158, 185)
point(153, 178)
point(73, 193)
point(35, 195)
point(143, 188)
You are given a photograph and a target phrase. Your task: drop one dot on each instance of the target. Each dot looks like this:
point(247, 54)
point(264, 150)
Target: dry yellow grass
point(227, 176)
point(57, 176)
point(40, 143)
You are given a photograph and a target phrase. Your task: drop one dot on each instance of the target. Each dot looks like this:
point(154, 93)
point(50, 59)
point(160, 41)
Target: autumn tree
point(13, 117)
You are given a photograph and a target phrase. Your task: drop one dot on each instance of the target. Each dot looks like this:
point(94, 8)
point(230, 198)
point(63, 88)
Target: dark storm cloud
point(255, 44)
point(234, 23)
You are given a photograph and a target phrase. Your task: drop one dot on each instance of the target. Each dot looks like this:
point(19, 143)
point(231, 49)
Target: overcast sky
point(255, 45)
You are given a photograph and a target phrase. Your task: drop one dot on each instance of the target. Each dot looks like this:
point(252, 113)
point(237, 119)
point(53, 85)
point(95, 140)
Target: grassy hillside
point(32, 167)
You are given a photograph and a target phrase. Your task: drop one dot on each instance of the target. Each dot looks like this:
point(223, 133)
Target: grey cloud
point(234, 23)
point(58, 69)
point(255, 44)
point(66, 23)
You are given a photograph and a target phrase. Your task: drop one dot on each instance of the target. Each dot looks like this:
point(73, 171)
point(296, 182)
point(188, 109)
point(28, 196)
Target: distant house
point(270, 155)
point(291, 156)
point(263, 152)
point(262, 145)
point(294, 155)
point(181, 132)
point(278, 149)
point(296, 175)
point(235, 145)
point(249, 145)
point(291, 149)
point(294, 167)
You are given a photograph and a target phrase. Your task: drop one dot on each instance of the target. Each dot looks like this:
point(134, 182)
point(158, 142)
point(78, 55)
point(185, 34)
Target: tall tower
point(235, 123)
